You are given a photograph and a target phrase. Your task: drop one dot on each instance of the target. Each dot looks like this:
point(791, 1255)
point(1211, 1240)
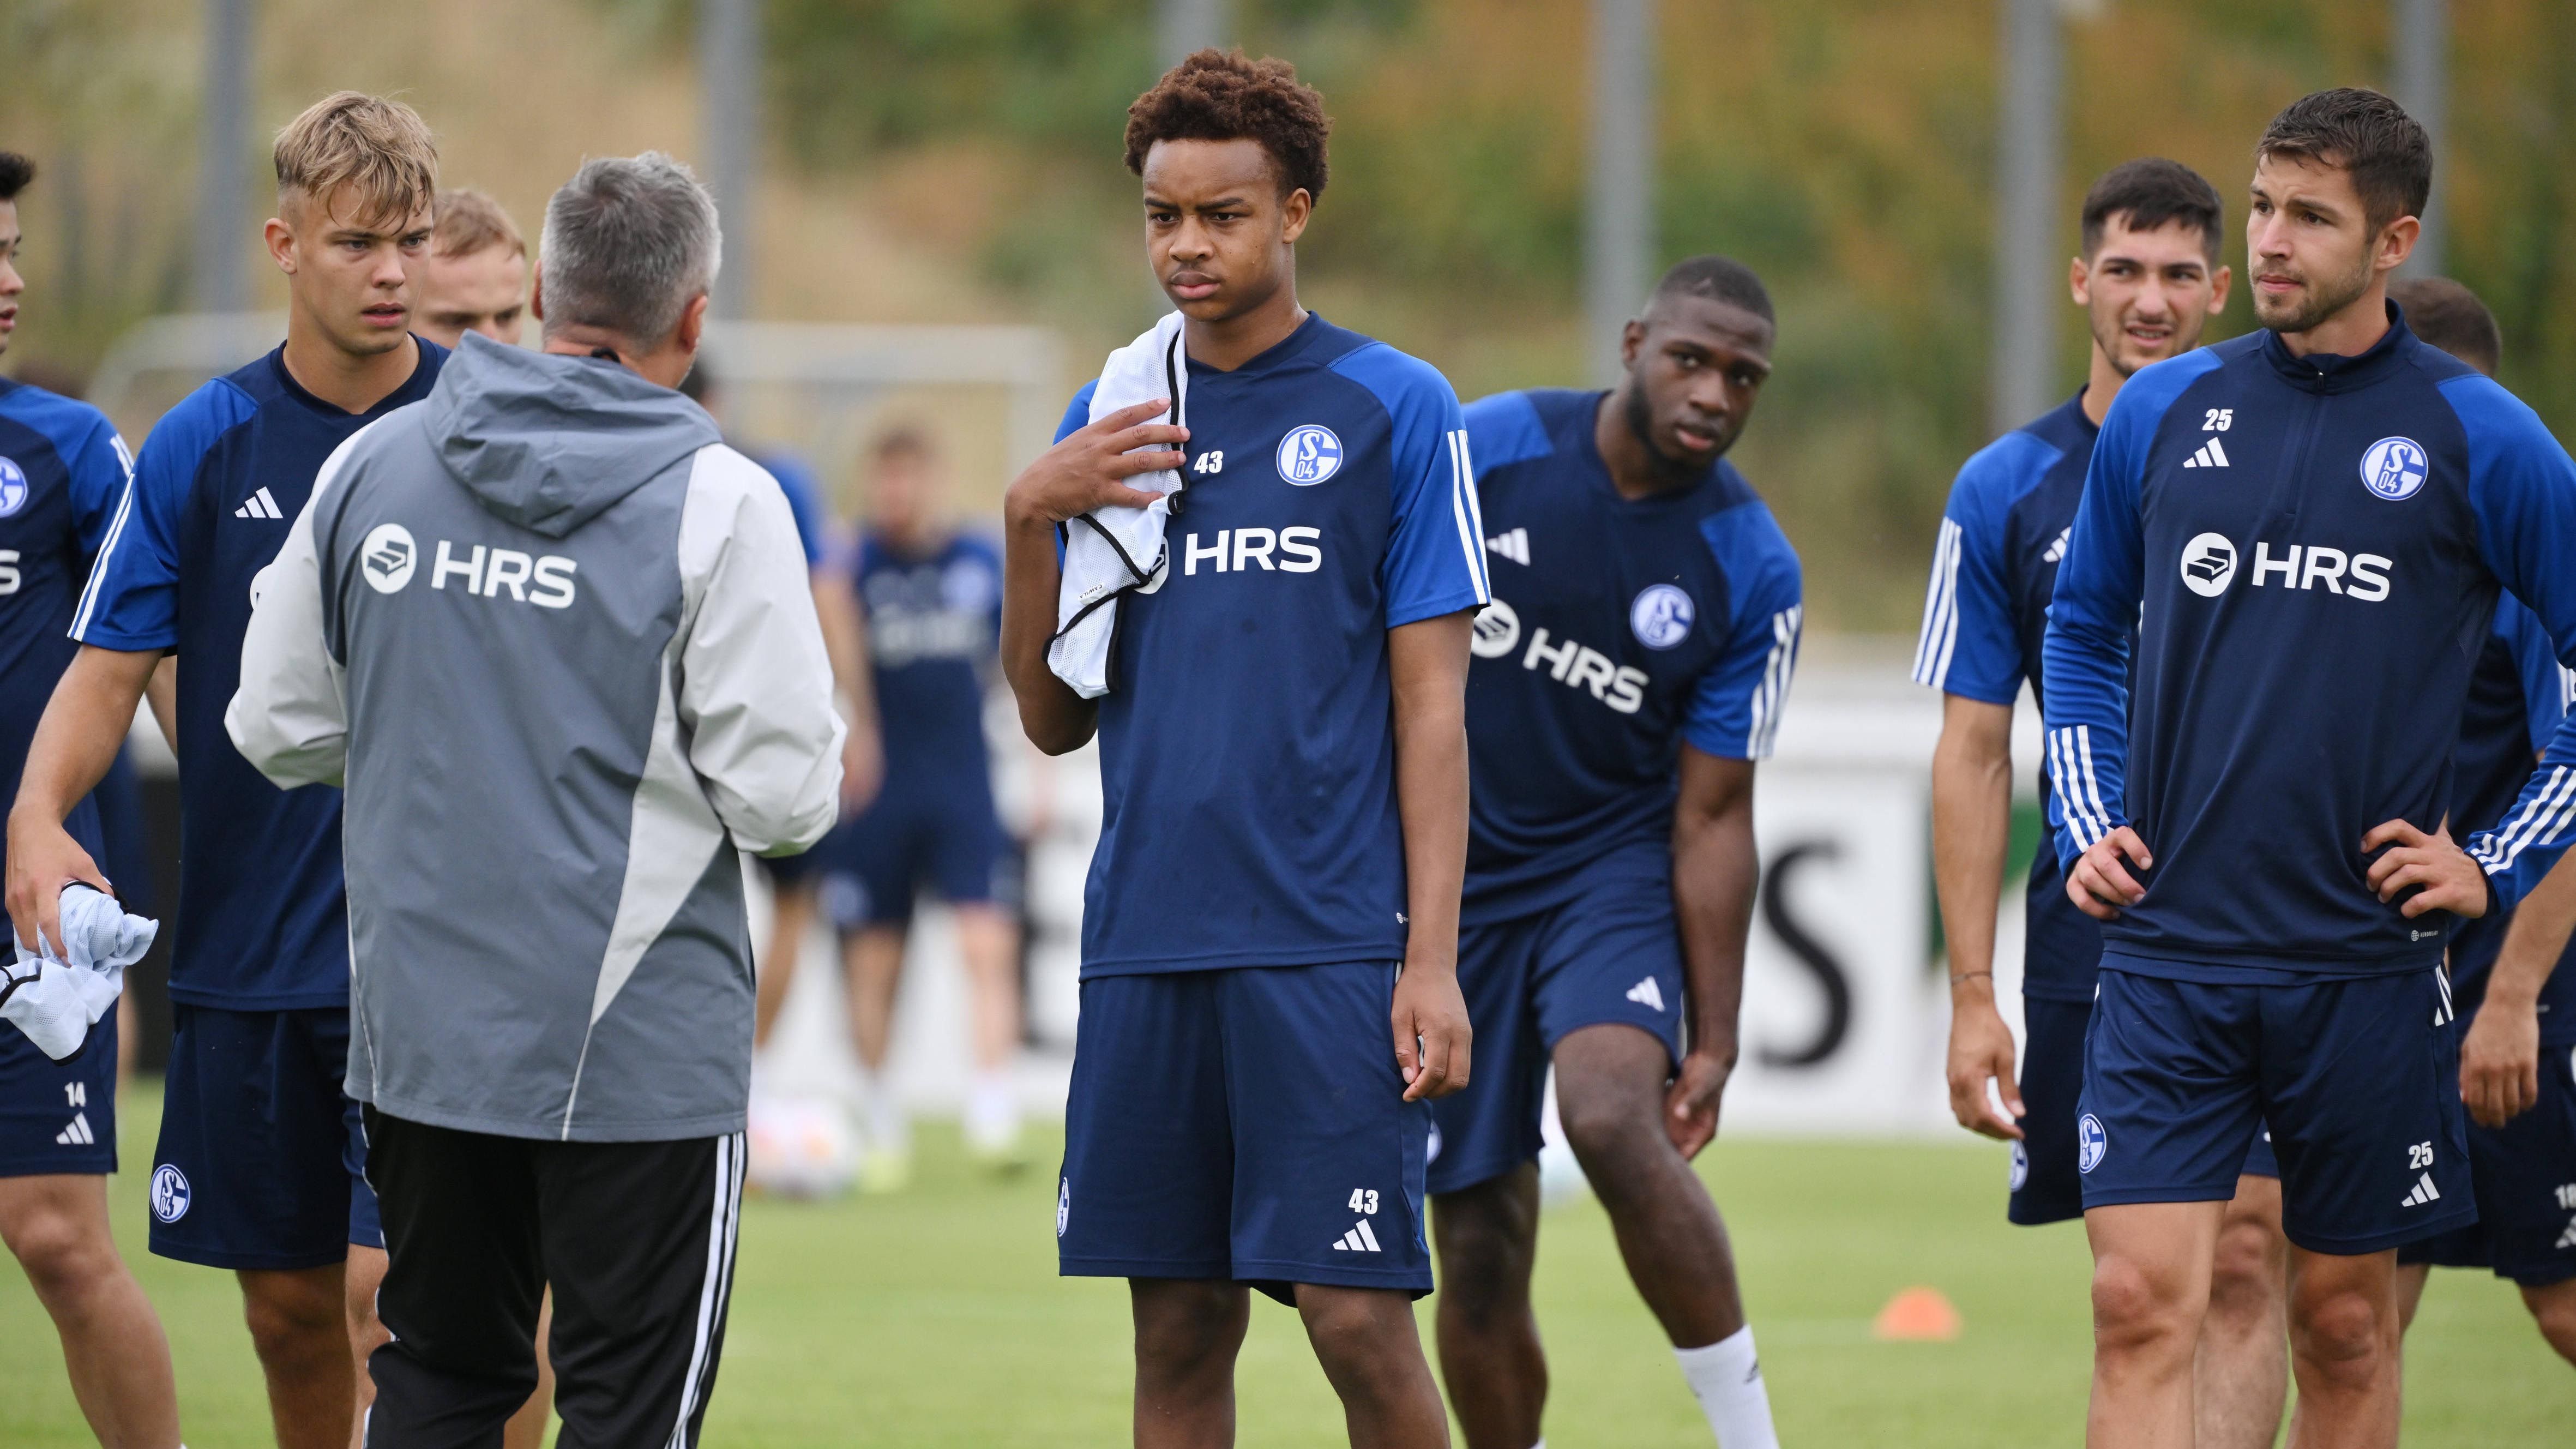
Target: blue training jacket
point(2310, 551)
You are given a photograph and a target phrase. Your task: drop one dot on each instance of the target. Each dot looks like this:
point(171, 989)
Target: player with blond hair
point(261, 1160)
point(475, 278)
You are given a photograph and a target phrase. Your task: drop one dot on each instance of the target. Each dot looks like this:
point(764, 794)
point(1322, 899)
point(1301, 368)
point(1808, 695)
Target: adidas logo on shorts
point(1648, 995)
point(78, 1134)
point(262, 504)
point(2424, 1192)
point(1357, 1240)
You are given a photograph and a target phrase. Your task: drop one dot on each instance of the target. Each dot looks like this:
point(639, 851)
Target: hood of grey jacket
point(548, 441)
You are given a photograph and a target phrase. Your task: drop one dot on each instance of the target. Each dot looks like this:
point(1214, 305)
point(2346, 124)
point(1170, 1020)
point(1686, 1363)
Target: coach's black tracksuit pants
point(637, 1240)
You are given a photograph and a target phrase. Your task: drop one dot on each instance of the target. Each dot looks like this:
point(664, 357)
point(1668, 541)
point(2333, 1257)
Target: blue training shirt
point(934, 624)
point(1620, 629)
point(263, 918)
point(2318, 544)
point(63, 471)
point(1984, 616)
point(2518, 696)
point(804, 501)
point(1247, 747)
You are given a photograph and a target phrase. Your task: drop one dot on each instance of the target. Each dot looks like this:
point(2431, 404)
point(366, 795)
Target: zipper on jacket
point(2303, 439)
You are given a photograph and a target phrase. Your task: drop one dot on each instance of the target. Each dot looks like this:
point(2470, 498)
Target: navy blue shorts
point(939, 835)
point(262, 1162)
point(2045, 1185)
point(787, 872)
point(1244, 1124)
point(2357, 1079)
point(58, 1116)
point(2524, 1177)
point(1613, 955)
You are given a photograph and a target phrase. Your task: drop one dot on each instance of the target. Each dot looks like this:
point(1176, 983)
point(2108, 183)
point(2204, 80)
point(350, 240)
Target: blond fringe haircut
point(469, 221)
point(381, 150)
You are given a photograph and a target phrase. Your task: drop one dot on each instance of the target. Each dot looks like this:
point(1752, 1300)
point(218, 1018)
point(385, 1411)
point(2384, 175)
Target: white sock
point(992, 1109)
point(1726, 1378)
point(888, 1129)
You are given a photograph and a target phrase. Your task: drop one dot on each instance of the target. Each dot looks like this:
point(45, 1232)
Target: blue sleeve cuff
point(99, 636)
point(1414, 611)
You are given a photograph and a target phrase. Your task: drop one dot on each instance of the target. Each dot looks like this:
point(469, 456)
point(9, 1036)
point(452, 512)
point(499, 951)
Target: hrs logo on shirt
point(2211, 561)
point(1298, 550)
point(1576, 666)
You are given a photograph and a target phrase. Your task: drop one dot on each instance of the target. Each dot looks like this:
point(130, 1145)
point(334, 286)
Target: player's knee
point(2249, 1272)
point(1611, 1129)
point(1350, 1332)
point(1484, 1271)
point(360, 1304)
point(1181, 1327)
point(61, 1254)
point(2342, 1333)
point(291, 1321)
point(2135, 1309)
point(2554, 1309)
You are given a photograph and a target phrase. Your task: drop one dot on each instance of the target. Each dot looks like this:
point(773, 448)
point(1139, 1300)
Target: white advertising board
point(1844, 1010)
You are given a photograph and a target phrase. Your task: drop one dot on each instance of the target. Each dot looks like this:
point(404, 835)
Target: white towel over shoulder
point(1111, 551)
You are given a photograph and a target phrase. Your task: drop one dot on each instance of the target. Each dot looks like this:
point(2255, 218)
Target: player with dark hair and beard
point(2256, 674)
point(2149, 280)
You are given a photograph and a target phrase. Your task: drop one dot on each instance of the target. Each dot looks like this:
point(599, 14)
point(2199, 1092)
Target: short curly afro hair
point(1226, 96)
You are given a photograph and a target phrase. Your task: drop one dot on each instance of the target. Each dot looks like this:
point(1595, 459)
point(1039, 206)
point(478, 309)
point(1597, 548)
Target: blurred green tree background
point(959, 159)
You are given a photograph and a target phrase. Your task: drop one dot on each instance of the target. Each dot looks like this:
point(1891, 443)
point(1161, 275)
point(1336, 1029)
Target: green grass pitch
point(936, 1319)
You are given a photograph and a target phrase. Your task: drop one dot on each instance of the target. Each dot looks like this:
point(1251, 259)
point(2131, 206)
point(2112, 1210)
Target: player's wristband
point(1960, 976)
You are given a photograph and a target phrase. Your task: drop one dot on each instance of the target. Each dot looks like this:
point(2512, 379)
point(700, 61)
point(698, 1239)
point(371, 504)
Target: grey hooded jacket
point(556, 640)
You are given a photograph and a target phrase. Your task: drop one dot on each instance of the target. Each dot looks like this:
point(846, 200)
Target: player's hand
point(2100, 885)
point(2450, 880)
point(1089, 468)
point(2500, 1062)
point(43, 859)
point(862, 770)
point(1981, 1051)
point(1691, 1102)
point(1431, 1032)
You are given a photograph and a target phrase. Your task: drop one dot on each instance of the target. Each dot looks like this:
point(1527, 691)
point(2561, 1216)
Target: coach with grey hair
point(554, 638)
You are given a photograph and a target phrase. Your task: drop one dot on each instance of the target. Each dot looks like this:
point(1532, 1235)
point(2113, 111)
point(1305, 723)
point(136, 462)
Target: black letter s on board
point(1831, 979)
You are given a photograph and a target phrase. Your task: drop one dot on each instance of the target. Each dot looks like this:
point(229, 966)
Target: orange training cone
point(1917, 1315)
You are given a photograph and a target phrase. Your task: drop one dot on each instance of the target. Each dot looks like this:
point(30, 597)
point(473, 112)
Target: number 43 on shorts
point(1364, 1200)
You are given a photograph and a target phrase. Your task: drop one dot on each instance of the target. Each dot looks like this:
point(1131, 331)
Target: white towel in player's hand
point(1110, 551)
point(57, 996)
